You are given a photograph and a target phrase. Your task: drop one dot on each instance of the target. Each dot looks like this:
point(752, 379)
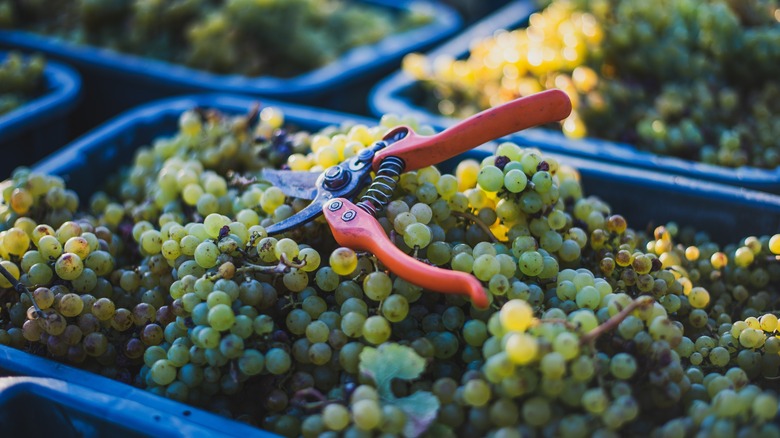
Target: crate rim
point(349, 66)
point(174, 416)
point(63, 88)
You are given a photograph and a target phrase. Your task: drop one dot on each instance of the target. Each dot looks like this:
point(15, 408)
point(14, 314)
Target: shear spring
point(381, 189)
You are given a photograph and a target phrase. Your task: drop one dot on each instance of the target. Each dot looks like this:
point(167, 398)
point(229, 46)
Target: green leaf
point(388, 362)
point(394, 361)
point(421, 409)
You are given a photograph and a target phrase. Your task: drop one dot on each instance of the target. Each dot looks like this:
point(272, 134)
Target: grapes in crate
point(167, 280)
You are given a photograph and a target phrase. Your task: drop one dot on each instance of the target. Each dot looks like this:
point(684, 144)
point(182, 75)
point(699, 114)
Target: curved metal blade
point(310, 212)
point(294, 183)
point(359, 175)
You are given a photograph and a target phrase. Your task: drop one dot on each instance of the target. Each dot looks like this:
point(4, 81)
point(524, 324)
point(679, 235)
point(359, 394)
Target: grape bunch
point(168, 280)
point(688, 79)
point(281, 38)
point(20, 80)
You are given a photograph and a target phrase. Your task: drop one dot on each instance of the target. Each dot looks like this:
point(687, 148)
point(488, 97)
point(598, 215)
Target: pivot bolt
point(336, 178)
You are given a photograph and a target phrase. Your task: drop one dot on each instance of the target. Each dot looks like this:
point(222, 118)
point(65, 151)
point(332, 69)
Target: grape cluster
point(682, 78)
point(281, 38)
point(169, 281)
point(20, 80)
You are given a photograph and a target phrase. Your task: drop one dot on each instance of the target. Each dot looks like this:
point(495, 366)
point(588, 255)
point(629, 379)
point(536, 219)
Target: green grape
point(531, 263)
point(352, 324)
point(206, 254)
point(536, 411)
point(553, 365)
point(327, 279)
point(366, 414)
point(377, 286)
point(463, 262)
point(490, 178)
point(764, 407)
point(68, 266)
point(588, 297)
point(314, 306)
point(251, 362)
point(595, 400)
point(584, 319)
point(486, 266)
point(312, 258)
point(231, 346)
point(317, 331)
point(288, 247)
point(221, 317)
point(70, 305)
point(623, 366)
point(320, 353)
point(335, 417)
point(95, 344)
point(296, 280)
point(567, 345)
point(103, 309)
point(163, 372)
point(475, 332)
point(150, 242)
point(699, 297)
point(395, 308)
point(476, 393)
point(542, 181)
point(521, 348)
point(417, 235)
point(376, 329)
point(515, 180)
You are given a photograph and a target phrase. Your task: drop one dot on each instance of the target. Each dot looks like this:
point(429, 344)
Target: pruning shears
point(354, 225)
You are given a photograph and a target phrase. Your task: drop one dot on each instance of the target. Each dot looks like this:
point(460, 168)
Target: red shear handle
point(419, 151)
point(354, 228)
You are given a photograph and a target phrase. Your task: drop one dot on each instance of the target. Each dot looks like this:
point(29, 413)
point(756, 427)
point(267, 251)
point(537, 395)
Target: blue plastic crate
point(115, 81)
point(473, 10)
point(81, 404)
point(726, 212)
point(35, 129)
point(393, 94)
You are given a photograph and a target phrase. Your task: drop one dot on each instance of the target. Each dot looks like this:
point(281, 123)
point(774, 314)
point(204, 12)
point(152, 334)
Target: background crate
point(394, 94)
point(35, 129)
point(115, 81)
point(473, 10)
point(726, 212)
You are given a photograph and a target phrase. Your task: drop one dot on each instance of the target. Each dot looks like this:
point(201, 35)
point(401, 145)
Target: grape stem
point(300, 396)
point(612, 322)
point(479, 223)
point(240, 181)
point(280, 268)
point(19, 287)
point(566, 323)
